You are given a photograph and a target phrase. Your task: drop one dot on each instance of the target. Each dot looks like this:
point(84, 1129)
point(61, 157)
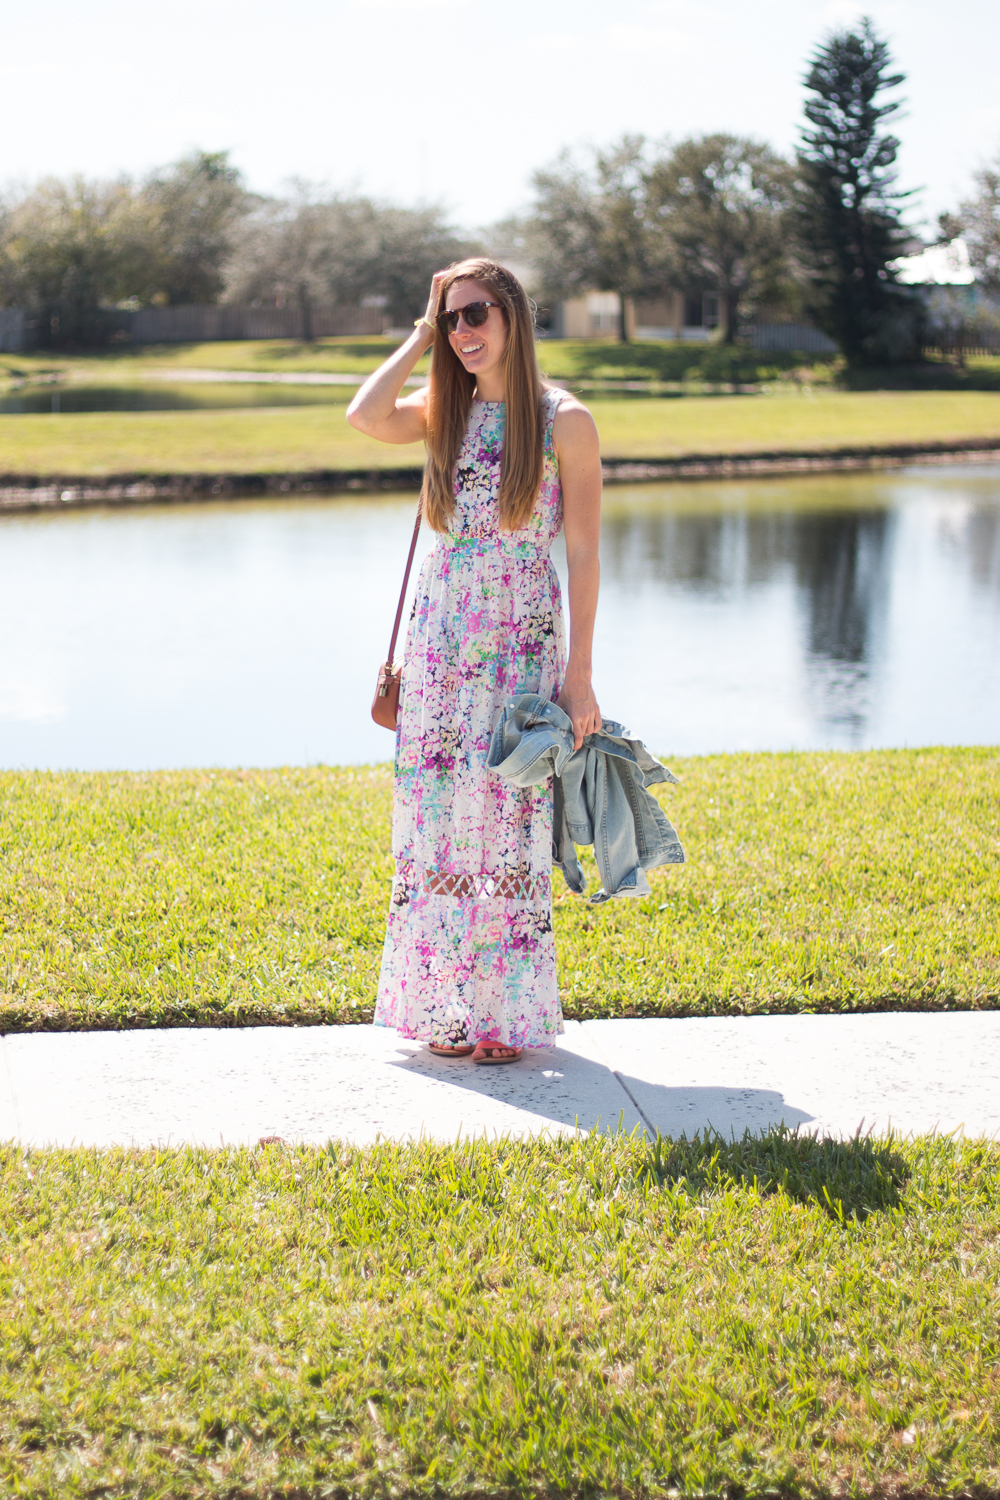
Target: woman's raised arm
point(378, 410)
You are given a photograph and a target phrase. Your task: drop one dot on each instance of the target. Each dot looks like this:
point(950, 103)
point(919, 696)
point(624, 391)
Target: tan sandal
point(496, 1052)
point(440, 1051)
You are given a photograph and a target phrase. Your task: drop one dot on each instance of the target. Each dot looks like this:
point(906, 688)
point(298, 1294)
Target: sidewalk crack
point(638, 1107)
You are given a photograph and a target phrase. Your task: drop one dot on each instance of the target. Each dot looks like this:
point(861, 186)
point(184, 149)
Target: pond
point(189, 390)
point(167, 395)
point(829, 611)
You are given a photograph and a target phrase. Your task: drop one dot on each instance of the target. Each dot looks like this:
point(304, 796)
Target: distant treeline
point(70, 251)
point(812, 238)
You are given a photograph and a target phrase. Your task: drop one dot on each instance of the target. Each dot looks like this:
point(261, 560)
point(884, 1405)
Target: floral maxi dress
point(469, 952)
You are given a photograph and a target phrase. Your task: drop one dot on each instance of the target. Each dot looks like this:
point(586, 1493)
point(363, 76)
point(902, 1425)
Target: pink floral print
point(469, 952)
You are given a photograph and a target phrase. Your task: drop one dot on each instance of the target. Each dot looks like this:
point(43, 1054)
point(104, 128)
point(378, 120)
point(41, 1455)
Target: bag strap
point(406, 579)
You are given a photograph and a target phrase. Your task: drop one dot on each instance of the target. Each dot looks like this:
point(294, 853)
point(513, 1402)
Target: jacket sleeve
point(564, 855)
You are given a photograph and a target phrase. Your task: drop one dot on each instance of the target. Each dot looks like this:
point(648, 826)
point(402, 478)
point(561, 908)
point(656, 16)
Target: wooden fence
point(780, 337)
point(11, 330)
point(194, 324)
point(190, 325)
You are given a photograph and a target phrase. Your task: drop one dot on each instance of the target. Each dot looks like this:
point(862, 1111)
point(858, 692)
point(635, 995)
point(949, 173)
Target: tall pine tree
point(848, 210)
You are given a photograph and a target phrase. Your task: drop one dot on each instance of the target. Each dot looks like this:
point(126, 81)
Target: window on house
point(603, 309)
point(702, 311)
point(693, 312)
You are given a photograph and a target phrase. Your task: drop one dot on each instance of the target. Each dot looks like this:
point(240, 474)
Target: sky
point(457, 102)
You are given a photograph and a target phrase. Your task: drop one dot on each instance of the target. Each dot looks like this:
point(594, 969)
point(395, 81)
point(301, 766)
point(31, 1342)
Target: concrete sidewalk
point(829, 1074)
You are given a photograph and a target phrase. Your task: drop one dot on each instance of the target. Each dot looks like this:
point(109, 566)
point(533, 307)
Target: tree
point(590, 223)
point(61, 256)
point(317, 249)
point(285, 250)
point(70, 252)
point(191, 212)
point(719, 205)
point(848, 208)
point(978, 221)
point(405, 246)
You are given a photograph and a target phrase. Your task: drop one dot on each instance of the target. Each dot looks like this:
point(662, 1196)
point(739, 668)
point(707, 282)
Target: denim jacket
point(600, 795)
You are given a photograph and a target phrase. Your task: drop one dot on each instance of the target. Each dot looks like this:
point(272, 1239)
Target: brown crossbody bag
point(385, 705)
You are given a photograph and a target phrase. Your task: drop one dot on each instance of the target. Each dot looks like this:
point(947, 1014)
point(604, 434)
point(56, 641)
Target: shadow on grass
point(675, 361)
point(929, 375)
point(849, 1179)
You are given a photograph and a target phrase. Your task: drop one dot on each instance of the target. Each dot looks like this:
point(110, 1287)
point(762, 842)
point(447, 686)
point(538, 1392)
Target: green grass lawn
point(817, 882)
point(253, 440)
point(591, 1317)
point(245, 440)
point(127, 363)
point(827, 419)
point(583, 1317)
point(562, 359)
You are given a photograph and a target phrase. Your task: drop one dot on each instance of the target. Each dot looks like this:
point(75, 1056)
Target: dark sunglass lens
point(474, 313)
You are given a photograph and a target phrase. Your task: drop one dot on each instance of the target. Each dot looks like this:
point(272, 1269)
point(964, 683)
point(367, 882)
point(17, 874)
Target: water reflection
point(855, 604)
point(980, 544)
point(839, 563)
point(845, 611)
point(842, 572)
point(65, 398)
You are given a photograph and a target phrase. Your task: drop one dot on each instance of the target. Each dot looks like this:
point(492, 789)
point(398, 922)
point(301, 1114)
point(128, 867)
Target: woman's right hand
point(379, 409)
point(435, 297)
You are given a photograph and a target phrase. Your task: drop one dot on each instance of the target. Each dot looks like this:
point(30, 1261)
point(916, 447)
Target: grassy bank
point(589, 1317)
point(562, 359)
point(816, 882)
point(255, 440)
point(248, 440)
point(345, 356)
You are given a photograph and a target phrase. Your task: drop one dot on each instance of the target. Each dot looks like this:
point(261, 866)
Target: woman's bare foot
point(444, 1051)
point(496, 1052)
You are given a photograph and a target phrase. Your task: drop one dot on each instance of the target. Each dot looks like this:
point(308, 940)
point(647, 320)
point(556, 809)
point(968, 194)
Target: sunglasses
point(474, 313)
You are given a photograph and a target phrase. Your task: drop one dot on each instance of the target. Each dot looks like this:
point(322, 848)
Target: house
point(938, 265)
point(959, 316)
point(676, 316)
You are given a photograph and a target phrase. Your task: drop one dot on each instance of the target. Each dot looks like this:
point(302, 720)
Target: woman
point(469, 959)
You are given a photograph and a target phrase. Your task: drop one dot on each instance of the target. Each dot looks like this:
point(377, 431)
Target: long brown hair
point(450, 403)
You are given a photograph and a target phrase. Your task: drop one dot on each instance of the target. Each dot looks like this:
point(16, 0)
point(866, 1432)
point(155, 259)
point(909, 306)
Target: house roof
point(938, 265)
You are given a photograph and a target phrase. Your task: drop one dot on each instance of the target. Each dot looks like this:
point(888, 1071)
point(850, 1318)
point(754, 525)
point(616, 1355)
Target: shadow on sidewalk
point(568, 1088)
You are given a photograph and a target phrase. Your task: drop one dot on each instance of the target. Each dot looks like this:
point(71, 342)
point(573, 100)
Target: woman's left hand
point(576, 698)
